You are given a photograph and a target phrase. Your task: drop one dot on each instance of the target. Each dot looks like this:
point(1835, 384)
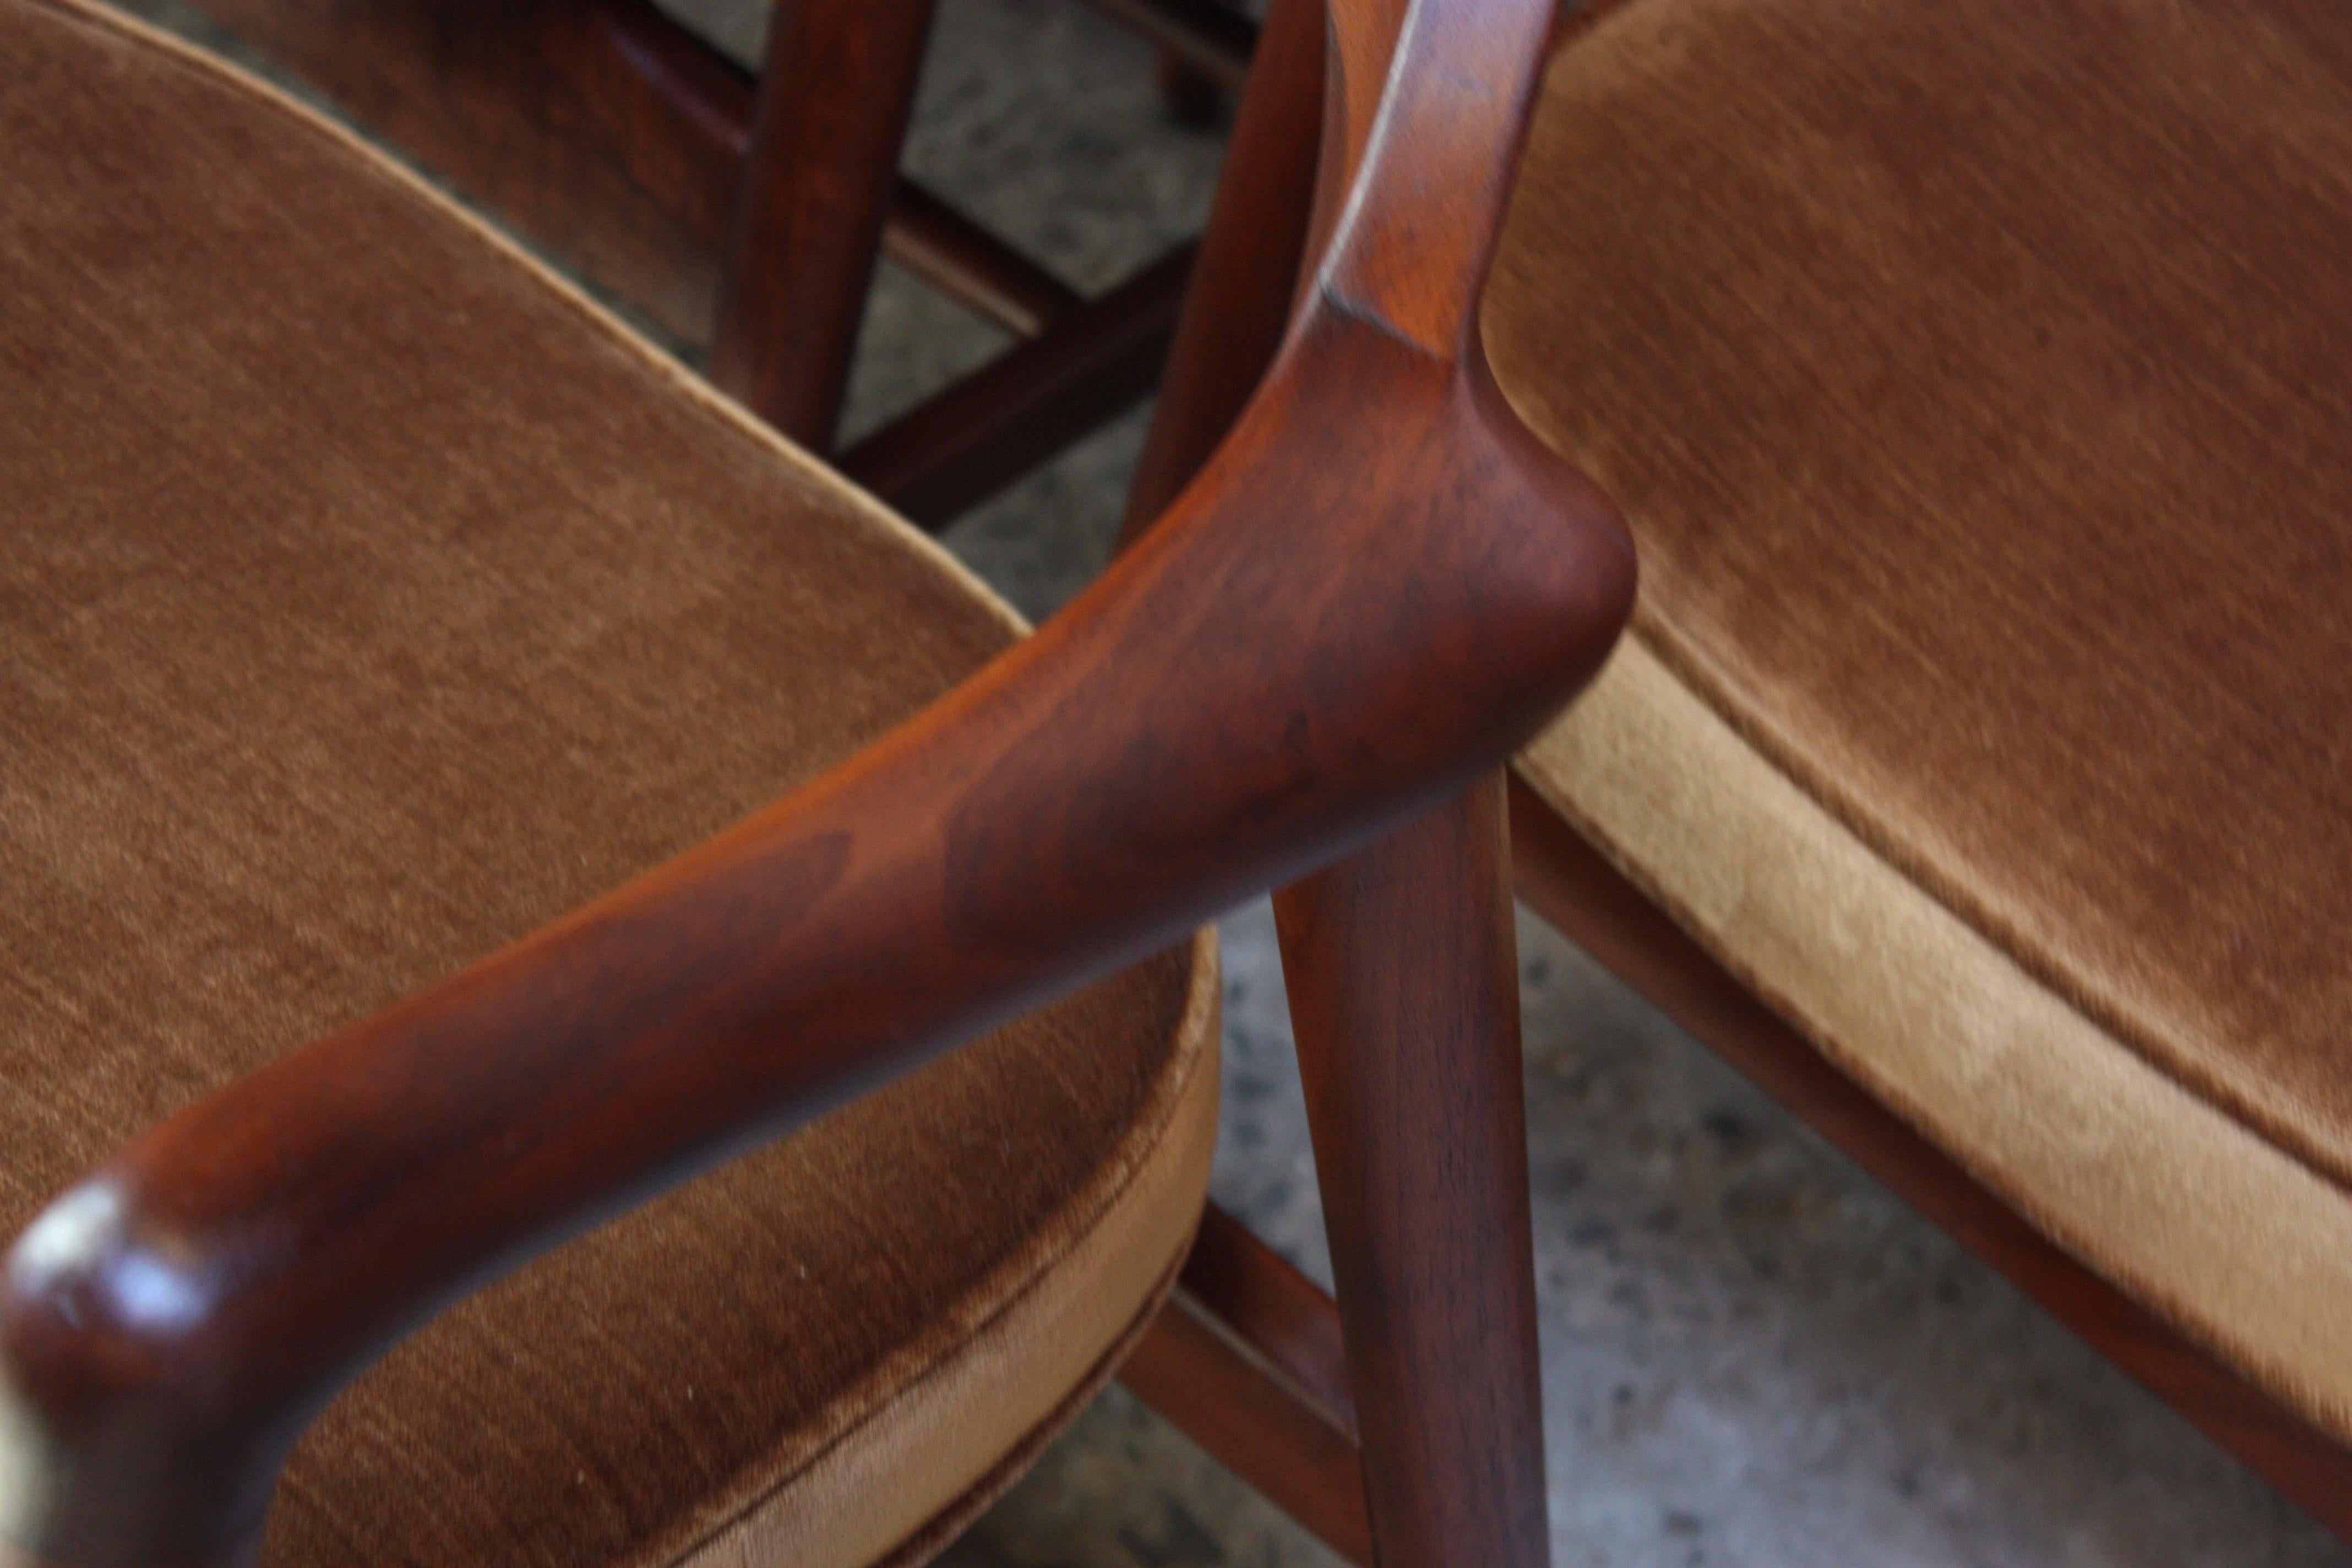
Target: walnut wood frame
point(1400, 962)
point(1227, 337)
point(1379, 585)
point(750, 213)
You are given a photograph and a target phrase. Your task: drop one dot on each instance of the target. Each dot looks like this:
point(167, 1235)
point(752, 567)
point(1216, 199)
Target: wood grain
point(1246, 279)
point(1208, 721)
point(971, 265)
point(1285, 1318)
point(1246, 1359)
point(834, 101)
point(1403, 982)
point(627, 148)
point(1375, 591)
point(1400, 960)
point(966, 442)
point(1208, 35)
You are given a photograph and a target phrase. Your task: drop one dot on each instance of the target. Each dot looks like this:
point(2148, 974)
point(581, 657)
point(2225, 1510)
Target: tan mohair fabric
point(2238, 1243)
point(1978, 380)
point(366, 600)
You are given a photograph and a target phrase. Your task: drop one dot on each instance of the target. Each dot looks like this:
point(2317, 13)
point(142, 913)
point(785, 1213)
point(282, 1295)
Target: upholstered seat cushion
point(367, 599)
point(1979, 382)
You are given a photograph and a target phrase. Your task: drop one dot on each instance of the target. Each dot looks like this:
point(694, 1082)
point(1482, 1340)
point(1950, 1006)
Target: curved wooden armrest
point(1379, 588)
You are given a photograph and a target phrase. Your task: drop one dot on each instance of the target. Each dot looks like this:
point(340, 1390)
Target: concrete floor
point(1752, 1355)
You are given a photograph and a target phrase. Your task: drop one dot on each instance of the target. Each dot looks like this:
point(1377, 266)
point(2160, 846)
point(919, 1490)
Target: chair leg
point(1405, 993)
point(835, 99)
point(1247, 1358)
point(1240, 295)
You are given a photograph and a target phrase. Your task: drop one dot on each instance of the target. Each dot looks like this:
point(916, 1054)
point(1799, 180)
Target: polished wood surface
point(971, 265)
point(1246, 1359)
point(1210, 36)
point(1284, 1316)
point(1245, 280)
point(1569, 883)
point(1207, 721)
point(716, 102)
point(1377, 589)
point(1564, 878)
point(616, 140)
point(622, 145)
point(834, 101)
point(965, 443)
point(1400, 960)
point(1404, 980)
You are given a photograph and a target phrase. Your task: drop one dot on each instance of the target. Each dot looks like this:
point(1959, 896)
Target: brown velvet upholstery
point(367, 599)
point(1979, 382)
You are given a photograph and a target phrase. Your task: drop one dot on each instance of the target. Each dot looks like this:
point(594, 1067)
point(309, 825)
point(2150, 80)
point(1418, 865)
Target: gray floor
point(1751, 1356)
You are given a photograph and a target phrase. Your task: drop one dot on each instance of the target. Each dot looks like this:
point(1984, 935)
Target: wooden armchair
point(1973, 381)
point(745, 214)
point(374, 605)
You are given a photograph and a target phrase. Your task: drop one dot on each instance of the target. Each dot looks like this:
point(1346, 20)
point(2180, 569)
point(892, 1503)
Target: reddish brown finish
point(1377, 590)
point(1245, 1359)
point(607, 132)
point(1236, 1405)
point(1400, 962)
point(1364, 37)
point(1207, 720)
point(598, 127)
point(1403, 983)
point(1190, 1368)
point(965, 444)
point(1209, 36)
point(1245, 280)
point(713, 103)
point(1284, 1317)
point(1567, 881)
point(834, 101)
point(1402, 968)
point(971, 266)
point(616, 139)
point(704, 89)
point(931, 239)
point(1565, 878)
